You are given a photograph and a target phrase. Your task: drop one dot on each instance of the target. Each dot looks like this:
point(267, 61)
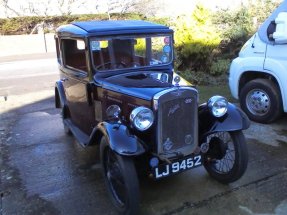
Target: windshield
point(129, 52)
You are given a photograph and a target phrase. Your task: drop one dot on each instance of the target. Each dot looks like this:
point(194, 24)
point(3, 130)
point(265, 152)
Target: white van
point(258, 76)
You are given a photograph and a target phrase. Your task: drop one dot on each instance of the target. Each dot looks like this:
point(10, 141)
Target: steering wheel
point(110, 65)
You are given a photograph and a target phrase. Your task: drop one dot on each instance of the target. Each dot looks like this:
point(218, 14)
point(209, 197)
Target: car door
point(75, 79)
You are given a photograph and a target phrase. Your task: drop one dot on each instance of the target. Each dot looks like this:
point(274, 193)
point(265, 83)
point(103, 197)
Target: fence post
point(43, 26)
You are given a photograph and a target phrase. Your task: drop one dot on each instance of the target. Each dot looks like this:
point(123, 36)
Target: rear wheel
point(121, 180)
point(227, 157)
point(64, 116)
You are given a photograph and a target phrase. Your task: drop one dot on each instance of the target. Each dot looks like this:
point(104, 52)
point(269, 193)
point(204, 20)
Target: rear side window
point(74, 54)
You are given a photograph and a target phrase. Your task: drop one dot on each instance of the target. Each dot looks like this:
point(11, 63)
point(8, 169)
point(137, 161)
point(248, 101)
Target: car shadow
point(51, 172)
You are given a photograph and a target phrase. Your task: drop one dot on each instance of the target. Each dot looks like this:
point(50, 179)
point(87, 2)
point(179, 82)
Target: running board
point(80, 136)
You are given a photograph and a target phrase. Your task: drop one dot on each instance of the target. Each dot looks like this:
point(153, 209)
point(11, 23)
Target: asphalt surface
point(44, 171)
point(21, 76)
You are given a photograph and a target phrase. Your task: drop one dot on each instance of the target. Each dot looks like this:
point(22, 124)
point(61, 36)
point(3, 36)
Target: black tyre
point(121, 180)
point(261, 100)
point(64, 116)
point(227, 157)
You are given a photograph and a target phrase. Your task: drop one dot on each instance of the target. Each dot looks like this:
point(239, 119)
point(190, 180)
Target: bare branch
point(5, 3)
point(47, 8)
point(60, 6)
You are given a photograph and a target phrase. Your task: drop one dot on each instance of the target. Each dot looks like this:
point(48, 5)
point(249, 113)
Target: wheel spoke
point(227, 156)
point(230, 156)
point(227, 168)
point(225, 164)
point(228, 159)
point(228, 165)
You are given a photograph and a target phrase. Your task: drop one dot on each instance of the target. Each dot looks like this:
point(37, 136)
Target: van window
point(74, 54)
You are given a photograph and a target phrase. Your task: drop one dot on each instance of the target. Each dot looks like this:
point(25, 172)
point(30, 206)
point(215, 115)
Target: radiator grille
point(177, 123)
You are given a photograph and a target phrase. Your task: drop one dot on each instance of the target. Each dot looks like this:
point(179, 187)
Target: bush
point(238, 25)
point(195, 39)
point(219, 67)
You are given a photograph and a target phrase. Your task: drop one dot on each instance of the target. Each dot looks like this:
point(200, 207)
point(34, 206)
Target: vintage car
point(118, 89)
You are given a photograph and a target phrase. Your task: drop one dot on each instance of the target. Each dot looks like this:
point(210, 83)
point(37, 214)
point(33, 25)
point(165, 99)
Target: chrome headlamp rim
point(135, 113)
point(217, 105)
point(113, 112)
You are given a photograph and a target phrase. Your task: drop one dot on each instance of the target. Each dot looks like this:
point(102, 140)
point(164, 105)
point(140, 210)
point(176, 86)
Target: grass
point(209, 85)
point(205, 92)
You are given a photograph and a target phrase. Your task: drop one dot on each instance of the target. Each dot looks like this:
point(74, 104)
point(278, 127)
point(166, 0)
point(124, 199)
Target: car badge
point(167, 145)
point(188, 139)
point(173, 109)
point(188, 101)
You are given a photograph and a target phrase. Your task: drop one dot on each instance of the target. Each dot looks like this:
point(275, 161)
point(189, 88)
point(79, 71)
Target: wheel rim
point(115, 178)
point(258, 102)
point(221, 155)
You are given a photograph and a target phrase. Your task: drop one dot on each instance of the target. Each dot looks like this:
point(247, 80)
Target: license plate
point(177, 166)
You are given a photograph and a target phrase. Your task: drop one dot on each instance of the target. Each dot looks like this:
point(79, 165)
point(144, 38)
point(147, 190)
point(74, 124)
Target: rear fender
point(119, 138)
point(60, 96)
point(234, 120)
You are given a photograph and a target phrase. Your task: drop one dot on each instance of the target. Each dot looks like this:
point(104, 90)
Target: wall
point(26, 44)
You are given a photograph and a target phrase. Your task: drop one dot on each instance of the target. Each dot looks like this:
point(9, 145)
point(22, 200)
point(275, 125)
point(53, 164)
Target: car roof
point(111, 27)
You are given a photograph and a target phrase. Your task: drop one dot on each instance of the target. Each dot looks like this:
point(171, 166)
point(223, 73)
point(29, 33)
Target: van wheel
point(261, 100)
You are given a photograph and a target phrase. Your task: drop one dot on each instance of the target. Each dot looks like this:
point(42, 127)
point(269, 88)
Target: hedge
point(24, 25)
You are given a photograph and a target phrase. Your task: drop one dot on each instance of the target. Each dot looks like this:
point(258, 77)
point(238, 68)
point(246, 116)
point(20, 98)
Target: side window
point(140, 47)
point(74, 55)
point(100, 51)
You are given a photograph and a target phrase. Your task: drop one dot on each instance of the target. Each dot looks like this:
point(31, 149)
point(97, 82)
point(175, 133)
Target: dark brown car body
point(97, 101)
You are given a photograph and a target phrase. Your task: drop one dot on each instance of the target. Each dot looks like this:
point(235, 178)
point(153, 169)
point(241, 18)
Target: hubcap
point(258, 102)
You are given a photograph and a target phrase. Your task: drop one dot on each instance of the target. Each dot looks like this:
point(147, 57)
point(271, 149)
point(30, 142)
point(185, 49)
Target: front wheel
point(227, 157)
point(121, 180)
point(261, 100)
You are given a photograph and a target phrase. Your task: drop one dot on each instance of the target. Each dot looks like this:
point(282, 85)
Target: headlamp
point(217, 105)
point(142, 118)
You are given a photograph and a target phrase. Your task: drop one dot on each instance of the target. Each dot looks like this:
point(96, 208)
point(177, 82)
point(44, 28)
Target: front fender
point(234, 120)
point(240, 65)
point(119, 138)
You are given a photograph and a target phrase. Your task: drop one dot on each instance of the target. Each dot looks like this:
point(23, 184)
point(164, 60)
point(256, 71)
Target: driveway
point(44, 171)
